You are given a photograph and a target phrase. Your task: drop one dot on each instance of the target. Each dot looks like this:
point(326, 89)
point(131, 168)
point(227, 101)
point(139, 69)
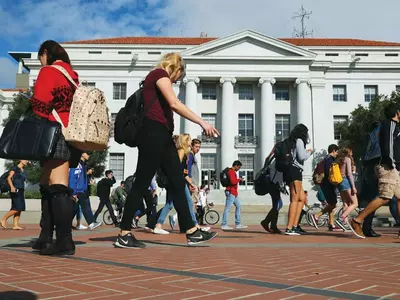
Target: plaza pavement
point(250, 264)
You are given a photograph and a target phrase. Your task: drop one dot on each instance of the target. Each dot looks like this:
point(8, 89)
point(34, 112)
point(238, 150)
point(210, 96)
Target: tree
point(354, 132)
point(15, 110)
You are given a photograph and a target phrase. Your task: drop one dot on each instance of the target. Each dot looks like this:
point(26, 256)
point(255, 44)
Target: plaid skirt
point(66, 152)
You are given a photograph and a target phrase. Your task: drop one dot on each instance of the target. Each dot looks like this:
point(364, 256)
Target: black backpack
point(129, 119)
point(129, 182)
point(161, 179)
point(283, 155)
point(4, 186)
point(224, 178)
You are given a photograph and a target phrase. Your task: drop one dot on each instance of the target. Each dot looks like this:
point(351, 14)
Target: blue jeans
point(169, 205)
point(231, 200)
point(393, 209)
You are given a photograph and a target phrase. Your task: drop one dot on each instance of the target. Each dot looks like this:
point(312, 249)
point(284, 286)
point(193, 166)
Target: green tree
point(15, 110)
point(355, 131)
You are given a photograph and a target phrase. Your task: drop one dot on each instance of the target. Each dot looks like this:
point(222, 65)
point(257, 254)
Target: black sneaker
point(291, 232)
point(200, 236)
point(128, 241)
point(300, 230)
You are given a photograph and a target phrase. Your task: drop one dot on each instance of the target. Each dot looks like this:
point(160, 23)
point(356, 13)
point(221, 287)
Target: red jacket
point(234, 181)
point(53, 91)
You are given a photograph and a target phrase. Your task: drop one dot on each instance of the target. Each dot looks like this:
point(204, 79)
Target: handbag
point(29, 138)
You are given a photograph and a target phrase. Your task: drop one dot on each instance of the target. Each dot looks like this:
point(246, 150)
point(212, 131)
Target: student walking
point(103, 192)
point(232, 198)
point(16, 181)
point(156, 149)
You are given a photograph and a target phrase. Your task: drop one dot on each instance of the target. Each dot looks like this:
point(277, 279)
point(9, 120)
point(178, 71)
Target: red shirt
point(160, 111)
point(234, 180)
point(53, 91)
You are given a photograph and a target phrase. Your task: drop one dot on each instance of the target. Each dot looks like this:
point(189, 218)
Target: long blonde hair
point(343, 153)
point(172, 63)
point(183, 142)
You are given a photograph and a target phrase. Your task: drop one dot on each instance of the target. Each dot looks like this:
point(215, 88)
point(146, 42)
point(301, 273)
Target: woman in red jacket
point(53, 91)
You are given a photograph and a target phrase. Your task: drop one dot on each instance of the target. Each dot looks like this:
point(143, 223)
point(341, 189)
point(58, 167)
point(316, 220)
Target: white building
point(253, 87)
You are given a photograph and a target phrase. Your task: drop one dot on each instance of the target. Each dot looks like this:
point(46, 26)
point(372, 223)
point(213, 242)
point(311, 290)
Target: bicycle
point(211, 217)
point(118, 214)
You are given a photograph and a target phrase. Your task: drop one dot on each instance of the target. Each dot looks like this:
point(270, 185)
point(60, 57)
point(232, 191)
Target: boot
point(45, 239)
point(265, 223)
point(63, 210)
point(274, 222)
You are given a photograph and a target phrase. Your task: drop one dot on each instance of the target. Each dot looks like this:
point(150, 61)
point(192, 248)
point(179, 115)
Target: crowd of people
point(65, 179)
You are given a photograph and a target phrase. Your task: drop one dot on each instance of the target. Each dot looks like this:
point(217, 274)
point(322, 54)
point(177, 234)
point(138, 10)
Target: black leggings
point(157, 150)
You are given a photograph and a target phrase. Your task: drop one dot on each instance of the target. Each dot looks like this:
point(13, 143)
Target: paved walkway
point(250, 264)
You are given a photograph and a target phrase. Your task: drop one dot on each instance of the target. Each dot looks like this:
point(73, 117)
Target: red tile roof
point(151, 40)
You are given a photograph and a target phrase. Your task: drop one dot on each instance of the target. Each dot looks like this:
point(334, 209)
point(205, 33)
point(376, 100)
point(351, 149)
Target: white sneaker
point(94, 225)
point(205, 229)
point(115, 213)
point(240, 226)
point(160, 231)
point(81, 227)
point(226, 227)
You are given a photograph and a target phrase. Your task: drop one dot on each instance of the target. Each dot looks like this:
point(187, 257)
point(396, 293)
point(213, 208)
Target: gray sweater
point(300, 155)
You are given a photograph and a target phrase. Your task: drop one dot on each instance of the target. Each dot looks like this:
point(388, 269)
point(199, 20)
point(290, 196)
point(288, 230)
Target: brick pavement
point(250, 264)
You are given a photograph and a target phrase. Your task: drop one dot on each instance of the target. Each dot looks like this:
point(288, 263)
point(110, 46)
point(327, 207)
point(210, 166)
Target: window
point(391, 54)
point(208, 169)
point(331, 54)
point(90, 84)
point(246, 125)
point(397, 88)
point(113, 116)
point(117, 163)
point(119, 91)
point(124, 52)
point(339, 93)
point(209, 91)
point(246, 92)
point(282, 127)
point(370, 92)
point(361, 54)
point(94, 52)
point(34, 82)
point(154, 52)
point(209, 118)
point(282, 93)
point(247, 169)
point(336, 121)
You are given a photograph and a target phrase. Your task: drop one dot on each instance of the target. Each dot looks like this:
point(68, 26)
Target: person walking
point(157, 150)
point(103, 192)
point(16, 181)
point(232, 198)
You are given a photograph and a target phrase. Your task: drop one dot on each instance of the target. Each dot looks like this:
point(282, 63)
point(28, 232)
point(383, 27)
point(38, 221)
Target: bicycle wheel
point(211, 217)
point(312, 211)
point(107, 218)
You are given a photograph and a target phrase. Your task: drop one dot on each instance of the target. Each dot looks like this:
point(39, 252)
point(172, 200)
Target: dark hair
point(306, 192)
point(300, 131)
point(122, 182)
point(391, 110)
point(195, 142)
point(108, 172)
point(237, 163)
point(332, 148)
point(54, 52)
point(202, 186)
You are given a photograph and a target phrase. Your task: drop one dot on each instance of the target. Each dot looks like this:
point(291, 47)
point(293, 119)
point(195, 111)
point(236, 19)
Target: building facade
point(252, 87)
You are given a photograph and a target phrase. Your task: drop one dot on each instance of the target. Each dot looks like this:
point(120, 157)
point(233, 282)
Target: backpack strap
point(65, 73)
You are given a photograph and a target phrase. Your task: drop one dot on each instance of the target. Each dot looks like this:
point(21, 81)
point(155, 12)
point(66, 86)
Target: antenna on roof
point(302, 15)
point(203, 34)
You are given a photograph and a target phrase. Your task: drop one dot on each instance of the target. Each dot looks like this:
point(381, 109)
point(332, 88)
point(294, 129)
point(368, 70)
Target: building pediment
point(248, 43)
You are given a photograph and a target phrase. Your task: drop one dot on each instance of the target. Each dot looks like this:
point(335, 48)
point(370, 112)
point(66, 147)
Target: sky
point(25, 24)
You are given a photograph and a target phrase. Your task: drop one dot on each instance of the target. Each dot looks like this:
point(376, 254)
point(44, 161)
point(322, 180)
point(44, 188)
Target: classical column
point(304, 116)
point(191, 102)
point(228, 122)
point(267, 118)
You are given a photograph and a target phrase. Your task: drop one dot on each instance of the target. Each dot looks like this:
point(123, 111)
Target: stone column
point(191, 102)
point(227, 125)
point(267, 118)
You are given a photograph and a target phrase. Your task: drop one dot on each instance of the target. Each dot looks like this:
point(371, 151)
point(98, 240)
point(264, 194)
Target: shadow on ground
point(18, 296)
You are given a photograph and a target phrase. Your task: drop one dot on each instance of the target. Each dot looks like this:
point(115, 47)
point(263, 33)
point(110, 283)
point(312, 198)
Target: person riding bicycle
point(201, 204)
point(118, 197)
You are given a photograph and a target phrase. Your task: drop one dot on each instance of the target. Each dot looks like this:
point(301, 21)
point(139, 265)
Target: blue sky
point(26, 23)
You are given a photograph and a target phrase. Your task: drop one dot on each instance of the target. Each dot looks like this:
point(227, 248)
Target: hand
point(90, 171)
point(310, 150)
point(192, 188)
point(13, 190)
point(75, 198)
point(209, 130)
point(354, 191)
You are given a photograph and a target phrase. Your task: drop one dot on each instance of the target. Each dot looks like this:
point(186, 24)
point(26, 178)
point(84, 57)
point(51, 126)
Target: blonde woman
point(347, 188)
point(157, 150)
point(182, 143)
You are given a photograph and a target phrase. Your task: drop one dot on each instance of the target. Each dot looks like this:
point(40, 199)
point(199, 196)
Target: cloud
point(8, 71)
